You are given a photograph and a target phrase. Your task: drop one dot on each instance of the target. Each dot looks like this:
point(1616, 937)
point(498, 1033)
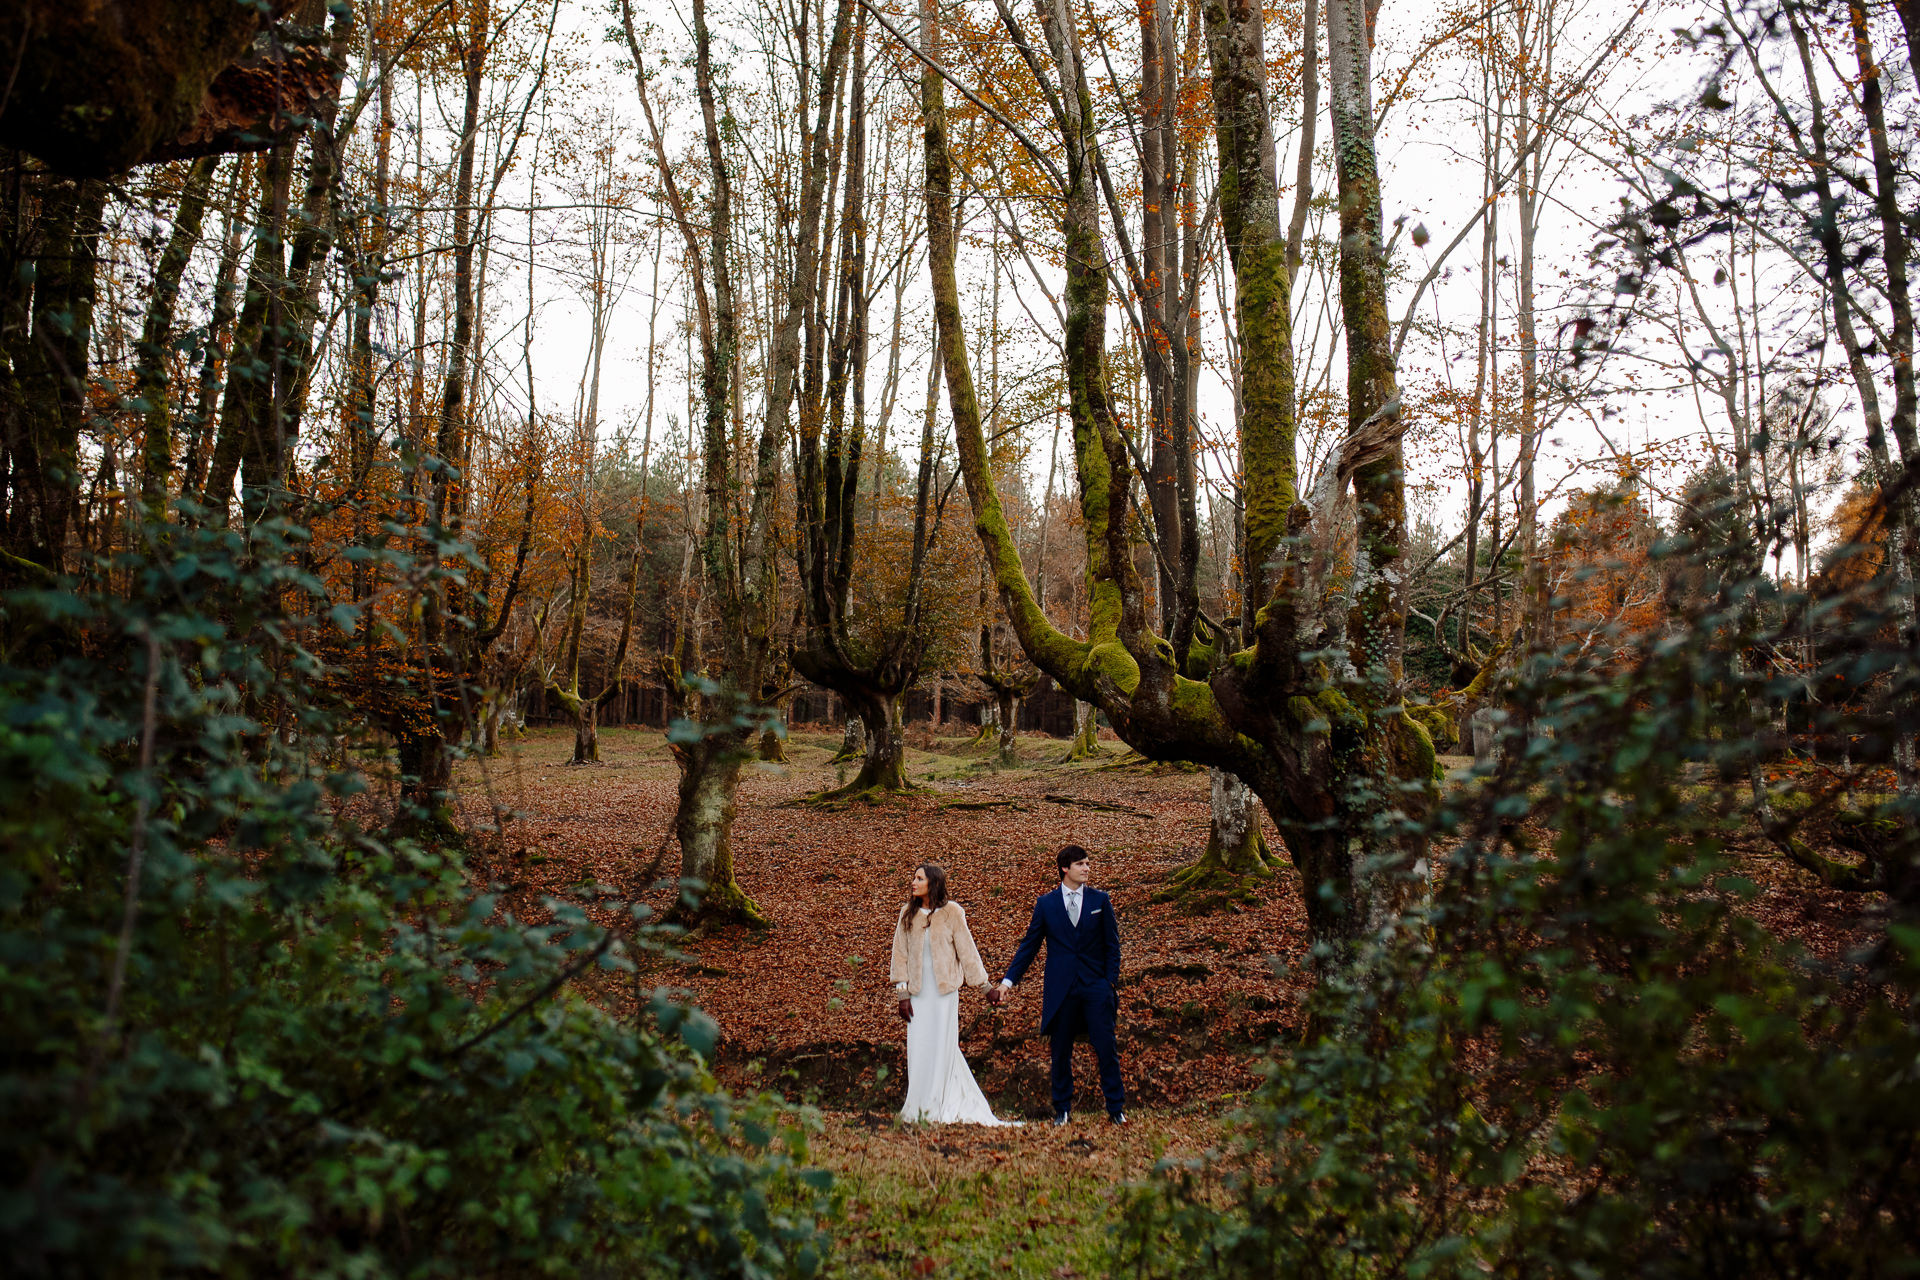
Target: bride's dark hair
point(936, 890)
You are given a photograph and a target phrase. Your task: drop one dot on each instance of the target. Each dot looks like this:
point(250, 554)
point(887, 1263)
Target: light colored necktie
point(1073, 909)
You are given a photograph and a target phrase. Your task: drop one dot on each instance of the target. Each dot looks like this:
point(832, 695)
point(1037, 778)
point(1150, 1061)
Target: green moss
point(1340, 711)
point(1111, 659)
point(1193, 703)
point(1416, 744)
point(1437, 720)
point(1199, 660)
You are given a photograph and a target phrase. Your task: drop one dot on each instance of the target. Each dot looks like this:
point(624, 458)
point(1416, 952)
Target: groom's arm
point(1029, 947)
point(1113, 945)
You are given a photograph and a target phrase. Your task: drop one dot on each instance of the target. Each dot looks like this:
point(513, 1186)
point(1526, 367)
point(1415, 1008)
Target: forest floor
point(805, 1009)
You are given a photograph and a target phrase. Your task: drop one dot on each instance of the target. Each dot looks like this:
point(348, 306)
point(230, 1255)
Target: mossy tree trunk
point(853, 739)
point(1086, 733)
point(703, 823)
point(989, 732)
point(585, 714)
point(48, 328)
point(1314, 739)
point(1236, 859)
point(151, 380)
point(1009, 716)
point(870, 666)
point(773, 742)
point(740, 494)
point(883, 768)
point(1007, 683)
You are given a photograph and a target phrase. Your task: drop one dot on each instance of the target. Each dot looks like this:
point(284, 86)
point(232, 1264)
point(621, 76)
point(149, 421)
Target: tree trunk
point(738, 571)
point(49, 401)
point(496, 706)
point(248, 391)
point(152, 371)
point(853, 741)
point(426, 785)
point(703, 822)
point(586, 730)
point(884, 767)
point(1372, 856)
point(773, 743)
point(1257, 247)
point(1236, 856)
point(1086, 733)
point(1903, 510)
point(218, 346)
point(989, 726)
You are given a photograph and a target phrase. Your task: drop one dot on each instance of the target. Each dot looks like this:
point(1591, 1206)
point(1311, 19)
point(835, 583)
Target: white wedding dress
point(940, 1085)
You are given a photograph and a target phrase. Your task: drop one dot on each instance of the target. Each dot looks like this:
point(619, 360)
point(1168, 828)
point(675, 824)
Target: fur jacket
point(954, 955)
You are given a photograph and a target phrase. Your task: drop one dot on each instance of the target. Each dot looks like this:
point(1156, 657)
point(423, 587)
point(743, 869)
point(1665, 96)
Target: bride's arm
point(897, 971)
point(970, 966)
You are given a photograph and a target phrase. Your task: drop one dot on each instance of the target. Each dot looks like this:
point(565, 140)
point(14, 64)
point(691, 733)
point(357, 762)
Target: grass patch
point(962, 1201)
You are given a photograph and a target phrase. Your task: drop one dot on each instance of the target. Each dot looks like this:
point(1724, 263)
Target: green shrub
point(1584, 1055)
point(331, 1054)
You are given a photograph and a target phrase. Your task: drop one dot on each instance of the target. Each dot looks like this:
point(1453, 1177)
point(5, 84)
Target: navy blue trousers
point(1091, 1013)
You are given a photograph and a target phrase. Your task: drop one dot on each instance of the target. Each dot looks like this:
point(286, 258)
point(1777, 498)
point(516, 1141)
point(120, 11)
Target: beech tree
point(870, 658)
point(720, 681)
point(1309, 713)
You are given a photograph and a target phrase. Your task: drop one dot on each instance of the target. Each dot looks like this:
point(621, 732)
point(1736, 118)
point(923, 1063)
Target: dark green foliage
point(332, 1054)
point(1584, 1055)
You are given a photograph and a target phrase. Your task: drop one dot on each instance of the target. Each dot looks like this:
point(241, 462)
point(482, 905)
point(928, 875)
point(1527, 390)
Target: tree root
point(1102, 806)
point(723, 905)
point(1210, 884)
point(857, 792)
point(1830, 872)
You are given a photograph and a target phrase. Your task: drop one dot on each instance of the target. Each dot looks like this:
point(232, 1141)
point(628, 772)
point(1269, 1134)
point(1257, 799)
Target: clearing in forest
point(805, 1008)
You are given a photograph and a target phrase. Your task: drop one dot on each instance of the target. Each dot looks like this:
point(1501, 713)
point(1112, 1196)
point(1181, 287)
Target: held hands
point(906, 1009)
point(997, 996)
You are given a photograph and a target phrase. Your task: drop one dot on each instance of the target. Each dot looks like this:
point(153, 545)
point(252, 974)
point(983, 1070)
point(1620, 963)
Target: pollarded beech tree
point(1309, 712)
point(720, 682)
point(870, 661)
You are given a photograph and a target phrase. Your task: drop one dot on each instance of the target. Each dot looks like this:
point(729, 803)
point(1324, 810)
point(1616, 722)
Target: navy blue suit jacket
point(1080, 959)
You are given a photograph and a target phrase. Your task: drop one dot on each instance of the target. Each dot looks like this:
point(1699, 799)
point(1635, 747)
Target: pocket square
point(1096, 911)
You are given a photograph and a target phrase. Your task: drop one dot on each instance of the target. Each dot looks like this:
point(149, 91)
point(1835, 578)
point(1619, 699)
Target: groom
point(1081, 976)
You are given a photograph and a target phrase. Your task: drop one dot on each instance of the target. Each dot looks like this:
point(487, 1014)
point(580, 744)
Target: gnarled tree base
point(1237, 863)
point(871, 786)
point(1218, 881)
point(773, 748)
point(721, 905)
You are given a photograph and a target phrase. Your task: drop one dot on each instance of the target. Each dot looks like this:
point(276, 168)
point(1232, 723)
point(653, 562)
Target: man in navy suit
point(1079, 987)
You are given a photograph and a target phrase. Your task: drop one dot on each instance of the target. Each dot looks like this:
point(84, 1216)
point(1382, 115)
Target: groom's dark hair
point(1068, 855)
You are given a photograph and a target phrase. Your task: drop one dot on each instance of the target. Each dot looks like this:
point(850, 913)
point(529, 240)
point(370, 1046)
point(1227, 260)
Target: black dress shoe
point(1060, 1119)
point(1116, 1117)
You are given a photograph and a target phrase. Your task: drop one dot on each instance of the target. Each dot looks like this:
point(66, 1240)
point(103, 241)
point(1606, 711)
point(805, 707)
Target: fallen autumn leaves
point(802, 1007)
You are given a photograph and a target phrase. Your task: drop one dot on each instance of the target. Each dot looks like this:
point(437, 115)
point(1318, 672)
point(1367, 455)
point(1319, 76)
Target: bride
point(932, 952)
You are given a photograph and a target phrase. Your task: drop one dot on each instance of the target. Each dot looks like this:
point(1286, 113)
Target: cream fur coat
point(954, 955)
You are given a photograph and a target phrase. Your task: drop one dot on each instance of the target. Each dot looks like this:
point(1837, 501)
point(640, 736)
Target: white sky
point(1430, 174)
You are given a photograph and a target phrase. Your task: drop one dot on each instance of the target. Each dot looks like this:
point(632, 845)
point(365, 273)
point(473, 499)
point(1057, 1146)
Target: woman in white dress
point(933, 952)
